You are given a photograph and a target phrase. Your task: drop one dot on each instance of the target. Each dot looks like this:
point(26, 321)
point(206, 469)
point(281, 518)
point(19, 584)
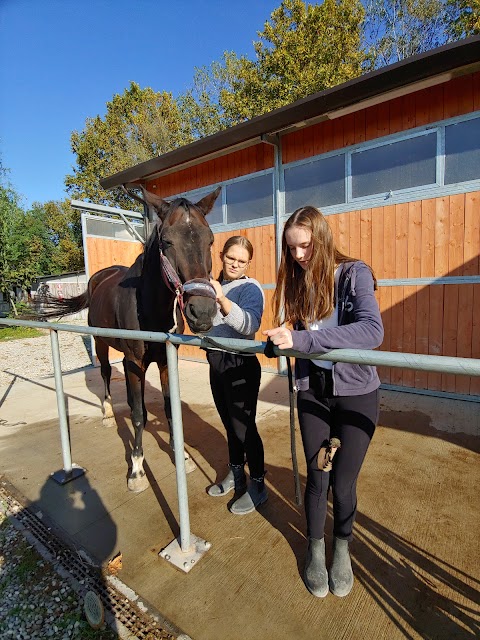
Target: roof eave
point(445, 61)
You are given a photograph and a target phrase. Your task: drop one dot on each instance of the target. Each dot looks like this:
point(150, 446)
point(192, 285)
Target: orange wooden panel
point(349, 130)
point(397, 331)
point(383, 119)
point(427, 254)
point(409, 112)
point(385, 303)
point(441, 236)
point(422, 322)
point(450, 330)
point(377, 243)
point(104, 252)
point(476, 90)
point(471, 247)
point(456, 234)
point(422, 115)
point(328, 135)
point(436, 104)
point(360, 127)
point(435, 331)
point(366, 235)
point(396, 110)
point(338, 139)
point(354, 218)
point(475, 382)
point(464, 332)
point(409, 327)
point(389, 242)
point(401, 240)
point(414, 235)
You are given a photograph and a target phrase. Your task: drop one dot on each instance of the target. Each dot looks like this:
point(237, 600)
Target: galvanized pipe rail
point(442, 364)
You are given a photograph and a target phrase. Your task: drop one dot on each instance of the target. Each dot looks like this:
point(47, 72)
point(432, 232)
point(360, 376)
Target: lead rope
point(269, 353)
point(293, 444)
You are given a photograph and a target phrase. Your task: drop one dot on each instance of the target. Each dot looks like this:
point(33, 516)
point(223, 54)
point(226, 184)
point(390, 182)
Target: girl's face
point(300, 245)
point(235, 261)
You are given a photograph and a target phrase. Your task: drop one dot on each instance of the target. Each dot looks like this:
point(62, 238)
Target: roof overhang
point(410, 75)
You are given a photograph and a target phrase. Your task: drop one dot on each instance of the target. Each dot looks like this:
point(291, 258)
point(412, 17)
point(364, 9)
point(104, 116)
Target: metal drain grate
point(135, 623)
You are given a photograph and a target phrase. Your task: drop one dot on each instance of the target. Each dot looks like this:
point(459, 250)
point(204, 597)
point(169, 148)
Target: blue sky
point(63, 60)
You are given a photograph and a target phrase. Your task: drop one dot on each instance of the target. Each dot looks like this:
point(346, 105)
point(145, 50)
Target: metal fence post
point(70, 470)
point(186, 554)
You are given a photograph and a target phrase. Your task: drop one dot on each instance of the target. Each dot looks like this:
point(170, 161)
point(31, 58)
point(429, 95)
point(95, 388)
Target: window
point(249, 199)
point(114, 229)
point(394, 166)
point(216, 213)
point(462, 151)
point(320, 183)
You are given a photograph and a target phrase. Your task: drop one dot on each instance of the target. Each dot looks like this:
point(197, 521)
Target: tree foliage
point(304, 48)
point(463, 18)
point(139, 125)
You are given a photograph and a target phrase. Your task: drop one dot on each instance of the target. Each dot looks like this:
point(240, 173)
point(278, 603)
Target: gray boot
point(315, 573)
point(235, 479)
point(341, 574)
point(255, 495)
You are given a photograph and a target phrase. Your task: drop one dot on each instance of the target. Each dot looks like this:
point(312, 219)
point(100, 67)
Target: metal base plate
point(185, 560)
point(62, 476)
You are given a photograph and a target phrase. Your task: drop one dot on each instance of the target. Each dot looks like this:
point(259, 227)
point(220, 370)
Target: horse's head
point(184, 243)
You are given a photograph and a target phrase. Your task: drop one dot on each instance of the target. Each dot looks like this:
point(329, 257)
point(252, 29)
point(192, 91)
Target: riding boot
point(315, 573)
point(235, 479)
point(255, 495)
point(341, 574)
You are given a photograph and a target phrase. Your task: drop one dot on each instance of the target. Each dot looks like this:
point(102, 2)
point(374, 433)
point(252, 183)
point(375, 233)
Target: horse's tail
point(52, 307)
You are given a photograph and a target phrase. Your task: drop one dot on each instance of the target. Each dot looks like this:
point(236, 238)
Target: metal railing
point(442, 364)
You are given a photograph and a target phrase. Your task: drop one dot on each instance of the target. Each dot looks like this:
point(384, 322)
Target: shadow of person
point(74, 508)
point(414, 587)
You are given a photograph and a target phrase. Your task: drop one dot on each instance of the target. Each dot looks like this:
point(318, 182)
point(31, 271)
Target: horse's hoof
point(108, 423)
point(138, 484)
point(189, 465)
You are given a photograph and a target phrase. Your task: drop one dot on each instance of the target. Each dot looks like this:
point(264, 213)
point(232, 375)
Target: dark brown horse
point(171, 276)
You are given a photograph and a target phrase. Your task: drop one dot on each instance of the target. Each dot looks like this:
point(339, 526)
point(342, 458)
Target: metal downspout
point(278, 211)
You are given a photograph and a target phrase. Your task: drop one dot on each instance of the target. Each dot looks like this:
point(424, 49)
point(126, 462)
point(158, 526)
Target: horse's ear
point(206, 203)
point(156, 206)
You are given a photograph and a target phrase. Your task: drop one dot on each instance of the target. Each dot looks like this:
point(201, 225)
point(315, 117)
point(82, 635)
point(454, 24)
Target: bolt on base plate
point(185, 560)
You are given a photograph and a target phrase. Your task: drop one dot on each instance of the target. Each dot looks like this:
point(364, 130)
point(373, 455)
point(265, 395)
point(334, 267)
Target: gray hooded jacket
point(360, 327)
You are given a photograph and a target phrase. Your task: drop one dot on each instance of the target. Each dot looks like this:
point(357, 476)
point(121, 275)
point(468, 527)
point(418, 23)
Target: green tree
point(64, 230)
point(304, 48)
point(139, 125)
point(463, 18)
point(10, 211)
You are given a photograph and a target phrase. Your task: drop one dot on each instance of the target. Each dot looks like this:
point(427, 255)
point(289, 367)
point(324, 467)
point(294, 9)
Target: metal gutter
point(432, 67)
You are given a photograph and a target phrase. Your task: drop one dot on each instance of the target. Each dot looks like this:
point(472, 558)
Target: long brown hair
point(307, 295)
point(233, 241)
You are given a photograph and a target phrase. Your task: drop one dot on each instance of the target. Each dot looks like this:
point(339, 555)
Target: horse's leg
point(189, 463)
point(101, 349)
point(135, 380)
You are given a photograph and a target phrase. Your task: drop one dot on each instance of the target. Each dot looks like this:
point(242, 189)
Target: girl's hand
point(218, 289)
point(281, 337)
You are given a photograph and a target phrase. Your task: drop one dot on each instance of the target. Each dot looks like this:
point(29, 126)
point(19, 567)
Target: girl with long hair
point(327, 298)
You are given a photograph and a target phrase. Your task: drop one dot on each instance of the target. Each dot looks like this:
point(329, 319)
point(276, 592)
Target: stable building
point(393, 159)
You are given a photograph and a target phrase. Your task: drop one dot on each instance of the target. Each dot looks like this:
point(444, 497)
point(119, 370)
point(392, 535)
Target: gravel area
point(36, 603)
point(32, 357)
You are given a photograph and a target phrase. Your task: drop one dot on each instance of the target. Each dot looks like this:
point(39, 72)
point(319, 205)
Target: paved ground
point(415, 553)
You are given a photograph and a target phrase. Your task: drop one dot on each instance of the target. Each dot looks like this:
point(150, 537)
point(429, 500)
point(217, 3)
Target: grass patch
point(17, 333)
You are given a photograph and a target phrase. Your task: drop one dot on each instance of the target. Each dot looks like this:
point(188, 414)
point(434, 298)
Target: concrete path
point(415, 553)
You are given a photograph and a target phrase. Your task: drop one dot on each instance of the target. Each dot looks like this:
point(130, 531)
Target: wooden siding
point(454, 98)
point(233, 165)
point(104, 252)
point(426, 239)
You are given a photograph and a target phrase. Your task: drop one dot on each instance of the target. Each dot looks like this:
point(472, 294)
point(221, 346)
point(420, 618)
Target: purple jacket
point(360, 327)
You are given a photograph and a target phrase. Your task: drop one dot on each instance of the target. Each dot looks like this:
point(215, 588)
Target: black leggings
point(235, 382)
point(352, 419)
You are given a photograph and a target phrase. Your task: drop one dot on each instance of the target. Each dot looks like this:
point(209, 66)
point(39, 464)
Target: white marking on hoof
point(108, 423)
point(107, 408)
point(189, 464)
point(138, 484)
